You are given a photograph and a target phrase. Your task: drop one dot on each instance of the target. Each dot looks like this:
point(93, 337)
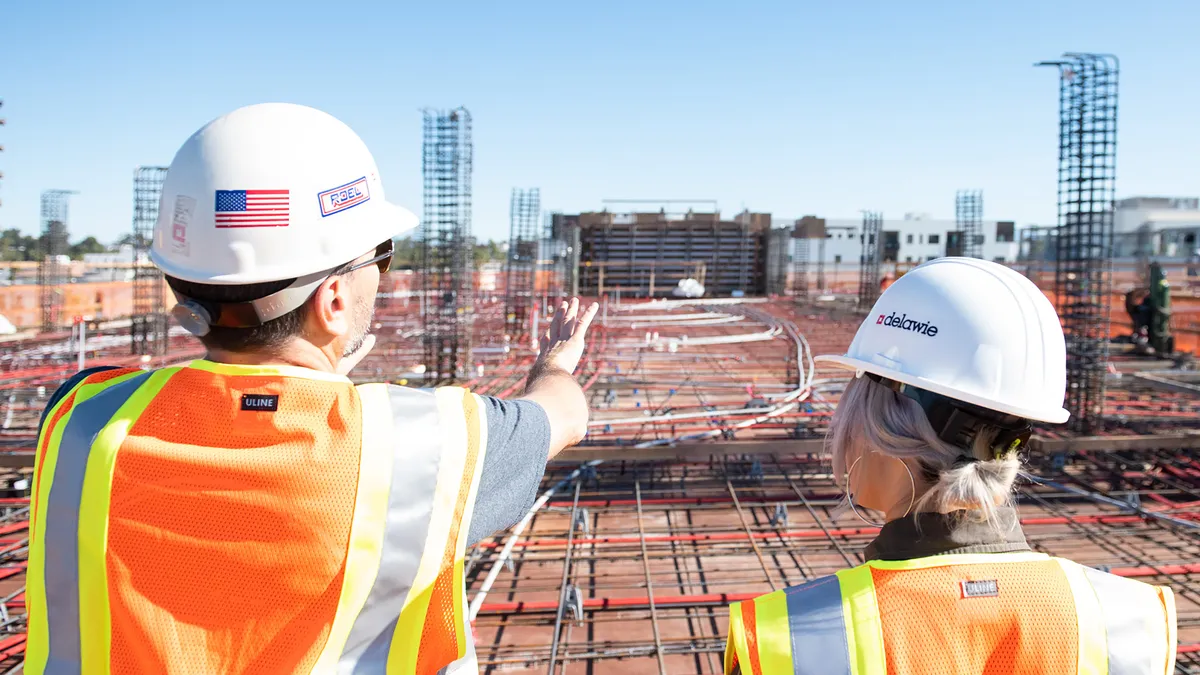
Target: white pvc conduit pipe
point(791, 399)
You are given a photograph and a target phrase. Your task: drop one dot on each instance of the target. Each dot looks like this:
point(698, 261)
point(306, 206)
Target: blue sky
point(787, 107)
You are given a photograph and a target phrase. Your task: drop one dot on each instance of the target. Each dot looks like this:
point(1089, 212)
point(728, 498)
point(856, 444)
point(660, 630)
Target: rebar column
point(868, 266)
point(968, 216)
point(52, 268)
point(148, 324)
point(779, 243)
point(524, 244)
point(821, 264)
point(561, 229)
point(806, 230)
point(1084, 243)
point(800, 268)
point(446, 255)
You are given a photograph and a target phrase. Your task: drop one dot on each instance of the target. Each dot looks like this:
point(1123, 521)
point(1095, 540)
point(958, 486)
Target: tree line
point(15, 246)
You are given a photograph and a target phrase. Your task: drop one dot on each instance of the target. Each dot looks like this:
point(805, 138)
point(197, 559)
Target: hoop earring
point(850, 497)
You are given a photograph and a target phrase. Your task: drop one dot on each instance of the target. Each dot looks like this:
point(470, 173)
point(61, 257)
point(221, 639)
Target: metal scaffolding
point(968, 215)
point(779, 254)
point(800, 268)
point(446, 252)
point(563, 246)
point(808, 229)
point(868, 269)
point(521, 266)
point(148, 324)
point(52, 270)
point(1087, 160)
point(642, 253)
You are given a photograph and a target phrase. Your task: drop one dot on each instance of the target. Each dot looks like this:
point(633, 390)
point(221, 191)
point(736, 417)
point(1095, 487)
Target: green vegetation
point(16, 247)
point(408, 250)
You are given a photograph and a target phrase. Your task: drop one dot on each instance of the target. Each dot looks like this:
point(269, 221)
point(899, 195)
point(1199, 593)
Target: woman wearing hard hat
point(951, 367)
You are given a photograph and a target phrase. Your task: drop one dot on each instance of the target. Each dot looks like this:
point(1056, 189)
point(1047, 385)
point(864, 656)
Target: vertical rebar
point(564, 585)
point(1084, 242)
point(658, 648)
point(521, 264)
point(868, 267)
point(737, 505)
point(446, 245)
point(968, 216)
point(52, 270)
point(800, 268)
point(148, 324)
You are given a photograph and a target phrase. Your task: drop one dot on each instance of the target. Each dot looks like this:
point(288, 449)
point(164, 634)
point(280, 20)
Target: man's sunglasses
point(383, 258)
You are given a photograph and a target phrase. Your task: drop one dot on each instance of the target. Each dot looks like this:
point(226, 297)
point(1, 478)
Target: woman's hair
point(872, 417)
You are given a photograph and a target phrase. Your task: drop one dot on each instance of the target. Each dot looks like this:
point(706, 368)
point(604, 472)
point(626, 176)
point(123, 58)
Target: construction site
point(704, 478)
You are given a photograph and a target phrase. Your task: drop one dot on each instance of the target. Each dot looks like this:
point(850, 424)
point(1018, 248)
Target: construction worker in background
point(255, 512)
point(951, 367)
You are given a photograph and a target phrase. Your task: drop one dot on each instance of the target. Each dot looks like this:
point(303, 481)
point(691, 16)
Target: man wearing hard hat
point(253, 511)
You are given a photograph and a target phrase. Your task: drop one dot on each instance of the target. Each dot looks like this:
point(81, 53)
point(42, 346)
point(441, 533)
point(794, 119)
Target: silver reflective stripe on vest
point(818, 629)
point(1126, 618)
point(61, 544)
point(416, 452)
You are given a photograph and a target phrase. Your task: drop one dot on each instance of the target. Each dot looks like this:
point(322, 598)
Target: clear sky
point(787, 107)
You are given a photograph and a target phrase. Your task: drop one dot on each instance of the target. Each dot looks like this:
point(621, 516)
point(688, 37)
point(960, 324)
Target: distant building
point(917, 238)
point(1157, 227)
point(97, 265)
point(648, 254)
point(123, 254)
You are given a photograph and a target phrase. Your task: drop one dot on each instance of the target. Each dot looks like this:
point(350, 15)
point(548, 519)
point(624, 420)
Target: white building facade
point(1157, 227)
point(913, 239)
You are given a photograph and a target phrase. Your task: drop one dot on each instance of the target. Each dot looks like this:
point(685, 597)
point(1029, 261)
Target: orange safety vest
point(252, 519)
point(957, 613)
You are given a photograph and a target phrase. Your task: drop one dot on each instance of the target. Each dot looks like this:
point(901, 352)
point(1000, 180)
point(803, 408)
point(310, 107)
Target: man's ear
point(329, 317)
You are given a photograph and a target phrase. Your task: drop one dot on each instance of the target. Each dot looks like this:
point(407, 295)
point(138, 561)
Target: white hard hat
point(271, 192)
point(969, 330)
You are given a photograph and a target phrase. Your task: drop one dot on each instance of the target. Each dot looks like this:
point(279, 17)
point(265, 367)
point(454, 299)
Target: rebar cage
point(446, 245)
point(1083, 246)
point(148, 325)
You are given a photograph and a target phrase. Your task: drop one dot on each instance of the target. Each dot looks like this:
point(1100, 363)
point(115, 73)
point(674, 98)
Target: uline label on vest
point(980, 589)
point(260, 402)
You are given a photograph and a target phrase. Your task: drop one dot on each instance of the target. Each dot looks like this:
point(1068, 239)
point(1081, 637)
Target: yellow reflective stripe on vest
point(452, 405)
point(1167, 597)
point(771, 641)
point(1093, 650)
point(864, 629)
point(401, 535)
point(1137, 619)
point(383, 450)
point(414, 447)
point(773, 635)
point(958, 559)
point(95, 623)
point(800, 630)
point(271, 370)
point(38, 600)
point(736, 653)
point(476, 423)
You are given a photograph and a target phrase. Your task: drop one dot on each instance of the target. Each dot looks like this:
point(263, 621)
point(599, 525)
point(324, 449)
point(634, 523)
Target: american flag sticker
point(252, 208)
